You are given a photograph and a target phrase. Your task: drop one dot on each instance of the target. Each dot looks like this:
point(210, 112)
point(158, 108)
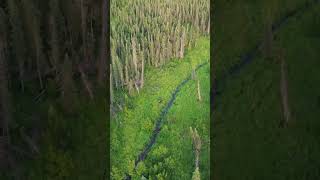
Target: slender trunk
point(197, 159)
point(193, 74)
point(126, 72)
point(182, 44)
point(134, 56)
point(30, 142)
point(142, 74)
point(137, 87)
point(196, 140)
point(86, 82)
point(157, 59)
point(130, 88)
point(199, 94)
point(284, 92)
point(39, 68)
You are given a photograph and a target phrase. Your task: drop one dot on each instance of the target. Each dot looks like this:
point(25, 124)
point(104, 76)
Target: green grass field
point(172, 155)
point(249, 144)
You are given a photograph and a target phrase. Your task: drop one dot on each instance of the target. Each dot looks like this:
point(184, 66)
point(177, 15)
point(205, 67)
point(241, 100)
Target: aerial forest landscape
point(266, 90)
point(160, 89)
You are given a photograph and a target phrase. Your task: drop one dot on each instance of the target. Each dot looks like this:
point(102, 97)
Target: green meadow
point(171, 157)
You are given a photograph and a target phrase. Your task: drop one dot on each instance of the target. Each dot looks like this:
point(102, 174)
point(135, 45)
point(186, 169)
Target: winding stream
point(142, 156)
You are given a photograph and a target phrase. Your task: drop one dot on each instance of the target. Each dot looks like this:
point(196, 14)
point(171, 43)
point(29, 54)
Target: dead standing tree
point(199, 93)
point(196, 140)
point(284, 89)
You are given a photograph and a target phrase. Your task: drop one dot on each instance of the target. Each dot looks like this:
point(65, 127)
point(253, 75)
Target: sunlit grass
point(131, 128)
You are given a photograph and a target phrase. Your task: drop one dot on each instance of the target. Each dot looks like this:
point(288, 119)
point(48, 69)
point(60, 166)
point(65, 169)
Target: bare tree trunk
point(182, 43)
point(142, 74)
point(196, 140)
point(137, 87)
point(199, 94)
point(134, 56)
point(30, 142)
point(193, 73)
point(284, 91)
point(86, 82)
point(130, 88)
point(126, 73)
point(39, 68)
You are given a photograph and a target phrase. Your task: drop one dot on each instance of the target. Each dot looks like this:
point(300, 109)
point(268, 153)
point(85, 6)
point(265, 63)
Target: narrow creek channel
point(142, 156)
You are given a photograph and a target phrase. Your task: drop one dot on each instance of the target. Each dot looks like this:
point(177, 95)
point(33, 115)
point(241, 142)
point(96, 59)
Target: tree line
point(151, 33)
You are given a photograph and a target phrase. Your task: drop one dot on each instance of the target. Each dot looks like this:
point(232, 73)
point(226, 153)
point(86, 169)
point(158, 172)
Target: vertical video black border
point(106, 3)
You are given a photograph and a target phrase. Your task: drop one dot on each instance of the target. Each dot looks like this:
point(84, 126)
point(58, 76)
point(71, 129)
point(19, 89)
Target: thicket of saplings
point(51, 53)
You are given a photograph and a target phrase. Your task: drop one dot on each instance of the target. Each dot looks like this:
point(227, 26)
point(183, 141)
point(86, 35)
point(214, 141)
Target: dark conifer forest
point(53, 81)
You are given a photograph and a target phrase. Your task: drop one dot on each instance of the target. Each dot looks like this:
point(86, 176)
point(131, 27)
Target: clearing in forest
point(172, 155)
